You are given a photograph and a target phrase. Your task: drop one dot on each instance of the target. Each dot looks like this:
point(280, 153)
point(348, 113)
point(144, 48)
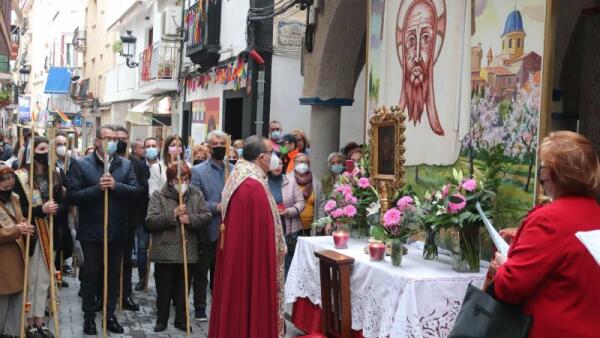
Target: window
point(509, 43)
point(519, 43)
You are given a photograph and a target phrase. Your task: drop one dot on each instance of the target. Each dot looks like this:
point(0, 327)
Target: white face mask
point(181, 188)
point(274, 162)
point(301, 168)
point(61, 151)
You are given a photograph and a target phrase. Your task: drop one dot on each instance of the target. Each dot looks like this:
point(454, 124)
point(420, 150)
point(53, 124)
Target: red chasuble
point(248, 295)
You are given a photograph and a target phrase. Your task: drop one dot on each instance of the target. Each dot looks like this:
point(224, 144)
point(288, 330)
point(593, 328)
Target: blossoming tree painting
point(501, 144)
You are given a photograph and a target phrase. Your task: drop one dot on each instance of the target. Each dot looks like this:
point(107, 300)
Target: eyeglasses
point(539, 175)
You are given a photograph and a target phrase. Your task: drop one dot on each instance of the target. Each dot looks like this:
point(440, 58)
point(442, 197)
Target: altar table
point(418, 299)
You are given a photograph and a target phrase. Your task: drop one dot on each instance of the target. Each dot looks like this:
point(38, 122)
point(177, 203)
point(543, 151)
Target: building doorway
point(237, 112)
point(234, 109)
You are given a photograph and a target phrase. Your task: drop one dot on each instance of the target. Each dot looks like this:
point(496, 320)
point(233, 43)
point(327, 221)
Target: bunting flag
point(235, 72)
point(63, 116)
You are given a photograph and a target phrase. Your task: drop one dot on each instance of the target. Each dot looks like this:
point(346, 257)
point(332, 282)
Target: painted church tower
point(513, 37)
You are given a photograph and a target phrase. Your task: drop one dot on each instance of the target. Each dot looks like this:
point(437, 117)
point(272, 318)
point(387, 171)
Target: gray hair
point(105, 126)
point(335, 154)
point(216, 134)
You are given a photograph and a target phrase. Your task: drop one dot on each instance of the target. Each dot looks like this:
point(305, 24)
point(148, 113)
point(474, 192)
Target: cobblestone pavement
point(138, 324)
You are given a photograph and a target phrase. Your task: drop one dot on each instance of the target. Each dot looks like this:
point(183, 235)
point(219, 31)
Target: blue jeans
point(142, 251)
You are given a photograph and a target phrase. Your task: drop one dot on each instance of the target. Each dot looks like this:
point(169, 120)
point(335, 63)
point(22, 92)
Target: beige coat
point(12, 252)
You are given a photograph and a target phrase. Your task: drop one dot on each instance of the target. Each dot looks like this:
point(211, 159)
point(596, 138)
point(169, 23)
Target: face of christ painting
point(416, 38)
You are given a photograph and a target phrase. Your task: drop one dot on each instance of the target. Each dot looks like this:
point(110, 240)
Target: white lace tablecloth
point(419, 299)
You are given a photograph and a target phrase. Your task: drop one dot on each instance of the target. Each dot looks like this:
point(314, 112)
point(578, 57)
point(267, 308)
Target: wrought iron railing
point(159, 61)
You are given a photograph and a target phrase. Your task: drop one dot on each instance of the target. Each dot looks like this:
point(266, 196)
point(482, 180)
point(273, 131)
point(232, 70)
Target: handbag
point(482, 316)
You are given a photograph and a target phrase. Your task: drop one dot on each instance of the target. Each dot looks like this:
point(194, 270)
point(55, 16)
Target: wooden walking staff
point(51, 168)
point(226, 164)
point(184, 251)
point(105, 279)
point(26, 305)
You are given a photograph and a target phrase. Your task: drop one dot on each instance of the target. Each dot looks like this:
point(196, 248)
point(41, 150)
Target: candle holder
point(340, 239)
point(377, 251)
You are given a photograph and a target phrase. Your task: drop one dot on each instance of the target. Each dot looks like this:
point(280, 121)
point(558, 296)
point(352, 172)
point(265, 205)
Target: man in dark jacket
point(132, 219)
point(138, 210)
point(6, 149)
point(86, 190)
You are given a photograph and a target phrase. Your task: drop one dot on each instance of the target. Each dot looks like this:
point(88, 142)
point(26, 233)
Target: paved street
point(137, 324)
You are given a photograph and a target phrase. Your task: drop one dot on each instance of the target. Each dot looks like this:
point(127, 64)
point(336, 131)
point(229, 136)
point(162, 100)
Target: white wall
point(233, 27)
point(286, 90)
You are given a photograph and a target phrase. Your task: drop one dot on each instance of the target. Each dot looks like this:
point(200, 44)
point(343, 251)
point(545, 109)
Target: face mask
point(181, 188)
point(151, 153)
point(218, 153)
point(275, 135)
point(41, 158)
point(337, 168)
point(232, 161)
point(5, 195)
point(121, 147)
point(61, 151)
point(301, 168)
point(284, 150)
point(112, 148)
point(240, 152)
point(198, 162)
point(274, 162)
point(174, 150)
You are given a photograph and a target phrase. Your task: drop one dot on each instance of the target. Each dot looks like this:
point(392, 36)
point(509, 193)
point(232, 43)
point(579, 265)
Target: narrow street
point(138, 324)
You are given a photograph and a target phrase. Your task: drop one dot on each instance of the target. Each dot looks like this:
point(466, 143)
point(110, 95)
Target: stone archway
point(331, 72)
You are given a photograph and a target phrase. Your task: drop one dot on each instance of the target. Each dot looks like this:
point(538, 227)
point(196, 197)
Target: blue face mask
point(337, 168)
point(151, 153)
point(240, 152)
point(112, 148)
point(276, 135)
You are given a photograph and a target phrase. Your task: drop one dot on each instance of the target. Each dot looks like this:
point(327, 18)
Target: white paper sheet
point(500, 243)
point(591, 241)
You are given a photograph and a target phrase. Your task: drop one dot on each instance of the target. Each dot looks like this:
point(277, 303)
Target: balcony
point(79, 39)
point(158, 68)
point(202, 33)
point(121, 84)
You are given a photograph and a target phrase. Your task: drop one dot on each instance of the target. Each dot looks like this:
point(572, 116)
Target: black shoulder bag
point(482, 316)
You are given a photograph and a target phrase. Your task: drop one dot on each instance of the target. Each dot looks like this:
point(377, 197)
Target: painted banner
point(24, 109)
point(487, 51)
point(205, 117)
point(419, 60)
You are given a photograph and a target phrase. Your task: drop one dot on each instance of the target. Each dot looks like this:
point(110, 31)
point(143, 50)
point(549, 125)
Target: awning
point(58, 81)
point(142, 113)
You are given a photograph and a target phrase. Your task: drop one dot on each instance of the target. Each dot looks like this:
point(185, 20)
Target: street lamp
point(24, 76)
point(128, 51)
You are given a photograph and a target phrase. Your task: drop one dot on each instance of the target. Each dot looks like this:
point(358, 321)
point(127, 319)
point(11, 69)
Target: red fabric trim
point(306, 316)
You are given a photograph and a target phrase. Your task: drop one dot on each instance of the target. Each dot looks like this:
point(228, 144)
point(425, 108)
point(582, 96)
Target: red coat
point(551, 274)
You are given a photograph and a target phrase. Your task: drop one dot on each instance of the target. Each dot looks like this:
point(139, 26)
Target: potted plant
point(117, 47)
point(399, 224)
point(5, 97)
point(165, 70)
point(453, 208)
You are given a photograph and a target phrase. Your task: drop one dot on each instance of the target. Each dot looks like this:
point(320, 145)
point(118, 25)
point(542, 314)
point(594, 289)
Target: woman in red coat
point(548, 270)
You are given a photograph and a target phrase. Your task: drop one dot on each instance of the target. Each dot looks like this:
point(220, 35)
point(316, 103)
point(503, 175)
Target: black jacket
point(138, 207)
point(84, 192)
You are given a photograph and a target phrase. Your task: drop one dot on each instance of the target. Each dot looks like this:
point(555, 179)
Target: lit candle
point(377, 251)
point(340, 239)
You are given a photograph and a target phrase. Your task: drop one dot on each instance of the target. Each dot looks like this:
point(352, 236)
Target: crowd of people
point(144, 179)
point(228, 215)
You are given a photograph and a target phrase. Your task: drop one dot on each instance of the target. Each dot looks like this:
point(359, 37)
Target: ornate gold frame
point(385, 183)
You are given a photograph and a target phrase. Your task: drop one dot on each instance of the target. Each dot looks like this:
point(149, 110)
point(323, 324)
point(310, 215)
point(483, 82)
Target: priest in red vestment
point(248, 295)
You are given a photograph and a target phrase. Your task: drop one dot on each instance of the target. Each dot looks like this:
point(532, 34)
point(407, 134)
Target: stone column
point(325, 136)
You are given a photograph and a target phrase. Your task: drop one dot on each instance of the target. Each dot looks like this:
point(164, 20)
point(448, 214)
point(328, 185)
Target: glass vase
point(430, 249)
point(466, 248)
point(397, 252)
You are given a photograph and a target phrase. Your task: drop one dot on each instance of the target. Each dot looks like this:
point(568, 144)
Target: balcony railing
point(159, 61)
point(79, 39)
